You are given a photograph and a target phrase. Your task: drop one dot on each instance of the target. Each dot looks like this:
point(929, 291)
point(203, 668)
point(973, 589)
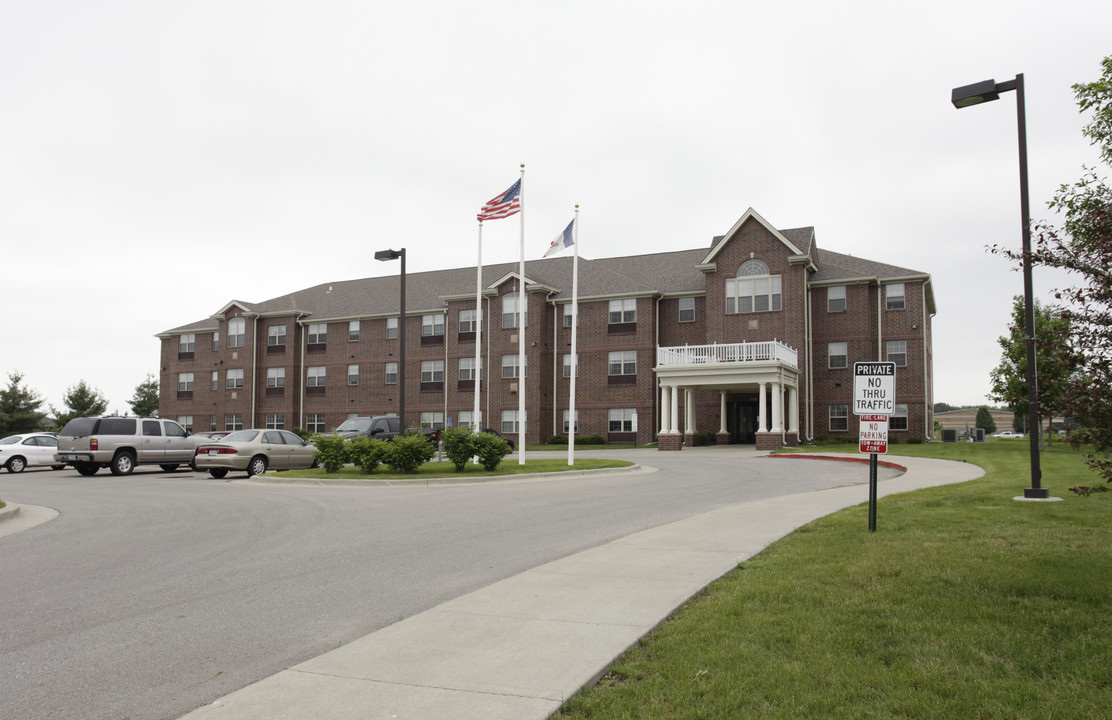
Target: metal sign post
point(873, 439)
point(874, 399)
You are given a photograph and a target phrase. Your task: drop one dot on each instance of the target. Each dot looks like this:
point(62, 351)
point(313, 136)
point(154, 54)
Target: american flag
point(504, 205)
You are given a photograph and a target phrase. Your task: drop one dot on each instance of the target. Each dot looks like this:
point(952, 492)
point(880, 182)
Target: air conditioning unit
point(513, 387)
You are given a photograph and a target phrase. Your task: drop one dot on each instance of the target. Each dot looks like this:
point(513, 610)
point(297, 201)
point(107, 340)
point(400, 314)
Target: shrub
point(304, 434)
point(490, 449)
point(406, 453)
point(459, 446)
point(367, 453)
point(915, 441)
point(590, 440)
point(706, 438)
point(332, 452)
point(557, 440)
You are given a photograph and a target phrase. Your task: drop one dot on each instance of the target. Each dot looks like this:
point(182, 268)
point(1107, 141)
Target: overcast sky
point(158, 159)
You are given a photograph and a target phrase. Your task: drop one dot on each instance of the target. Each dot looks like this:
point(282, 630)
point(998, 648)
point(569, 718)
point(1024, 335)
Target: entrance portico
point(761, 374)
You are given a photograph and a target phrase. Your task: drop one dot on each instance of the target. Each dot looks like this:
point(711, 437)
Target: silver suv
point(121, 443)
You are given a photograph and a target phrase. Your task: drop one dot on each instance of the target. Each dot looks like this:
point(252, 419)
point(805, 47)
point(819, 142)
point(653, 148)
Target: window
point(511, 367)
point(836, 354)
point(275, 421)
point(432, 325)
point(185, 382)
point(467, 368)
point(314, 422)
point(233, 422)
point(894, 296)
point(432, 419)
point(391, 373)
point(623, 311)
point(353, 331)
point(391, 328)
point(839, 417)
point(215, 344)
point(186, 343)
point(566, 421)
point(467, 321)
point(836, 298)
point(432, 371)
point(212, 422)
point(898, 419)
point(569, 312)
point(186, 421)
point(276, 377)
point(318, 333)
point(687, 310)
point(215, 379)
point(237, 332)
point(509, 311)
point(622, 420)
point(315, 376)
point(623, 362)
point(353, 374)
point(464, 420)
point(234, 379)
point(897, 352)
point(753, 290)
point(509, 422)
point(567, 366)
point(276, 336)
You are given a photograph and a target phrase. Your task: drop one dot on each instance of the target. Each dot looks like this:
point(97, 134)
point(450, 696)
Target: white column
point(675, 414)
point(665, 408)
point(777, 403)
point(761, 407)
point(793, 410)
point(722, 413)
point(689, 412)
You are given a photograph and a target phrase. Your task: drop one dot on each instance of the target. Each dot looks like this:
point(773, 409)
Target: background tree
point(19, 407)
point(144, 402)
point(81, 401)
point(985, 421)
point(1056, 364)
point(1083, 246)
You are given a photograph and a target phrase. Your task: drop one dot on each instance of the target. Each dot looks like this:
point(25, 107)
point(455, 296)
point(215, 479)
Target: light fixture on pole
point(387, 255)
point(975, 94)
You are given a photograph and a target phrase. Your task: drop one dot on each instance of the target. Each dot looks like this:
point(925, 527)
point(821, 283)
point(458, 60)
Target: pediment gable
point(750, 215)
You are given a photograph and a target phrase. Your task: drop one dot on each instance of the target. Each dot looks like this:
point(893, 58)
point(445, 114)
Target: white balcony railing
point(728, 353)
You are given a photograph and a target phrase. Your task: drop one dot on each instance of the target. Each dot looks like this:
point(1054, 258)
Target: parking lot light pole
point(975, 94)
point(386, 255)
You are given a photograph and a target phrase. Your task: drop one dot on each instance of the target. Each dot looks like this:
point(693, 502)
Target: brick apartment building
point(752, 339)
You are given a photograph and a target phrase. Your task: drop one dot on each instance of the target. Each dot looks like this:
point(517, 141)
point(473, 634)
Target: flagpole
point(574, 333)
point(521, 334)
point(476, 414)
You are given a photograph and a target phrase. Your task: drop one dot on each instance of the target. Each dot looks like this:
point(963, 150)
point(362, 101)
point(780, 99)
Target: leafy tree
point(81, 401)
point(985, 421)
point(459, 446)
point(1083, 246)
point(1056, 364)
point(19, 407)
point(144, 402)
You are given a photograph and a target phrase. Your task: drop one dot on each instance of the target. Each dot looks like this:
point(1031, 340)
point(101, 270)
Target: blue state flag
point(563, 240)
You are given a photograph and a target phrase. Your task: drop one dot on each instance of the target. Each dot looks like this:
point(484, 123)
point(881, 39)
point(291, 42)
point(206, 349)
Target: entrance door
point(741, 422)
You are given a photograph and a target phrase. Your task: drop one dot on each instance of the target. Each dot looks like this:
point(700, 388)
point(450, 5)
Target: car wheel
point(257, 466)
point(169, 467)
point(218, 473)
point(16, 464)
point(122, 464)
point(87, 469)
point(57, 467)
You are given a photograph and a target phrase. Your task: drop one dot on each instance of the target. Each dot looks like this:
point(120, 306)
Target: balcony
point(731, 354)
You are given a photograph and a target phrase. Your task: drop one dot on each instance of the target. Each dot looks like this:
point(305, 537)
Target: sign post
point(874, 399)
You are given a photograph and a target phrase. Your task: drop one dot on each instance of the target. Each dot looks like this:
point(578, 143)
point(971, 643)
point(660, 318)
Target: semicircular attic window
point(753, 290)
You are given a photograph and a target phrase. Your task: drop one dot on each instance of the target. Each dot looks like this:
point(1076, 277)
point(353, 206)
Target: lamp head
point(385, 255)
point(975, 94)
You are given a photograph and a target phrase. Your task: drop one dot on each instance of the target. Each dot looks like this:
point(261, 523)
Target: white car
point(1008, 434)
point(28, 450)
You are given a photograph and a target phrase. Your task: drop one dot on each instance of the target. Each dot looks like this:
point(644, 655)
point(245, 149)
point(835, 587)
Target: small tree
point(332, 452)
point(81, 401)
point(459, 446)
point(19, 407)
point(144, 402)
point(406, 453)
point(985, 421)
point(367, 453)
point(491, 450)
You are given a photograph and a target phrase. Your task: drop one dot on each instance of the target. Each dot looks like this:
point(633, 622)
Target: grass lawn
point(440, 470)
point(964, 604)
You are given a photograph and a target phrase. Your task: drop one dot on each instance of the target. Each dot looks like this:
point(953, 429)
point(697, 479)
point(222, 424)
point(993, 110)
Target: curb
point(429, 482)
point(9, 512)
point(837, 458)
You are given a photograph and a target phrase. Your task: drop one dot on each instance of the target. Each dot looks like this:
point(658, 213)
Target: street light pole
point(975, 94)
point(385, 255)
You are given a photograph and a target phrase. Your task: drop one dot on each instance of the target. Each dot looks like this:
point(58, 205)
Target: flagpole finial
point(522, 166)
point(577, 206)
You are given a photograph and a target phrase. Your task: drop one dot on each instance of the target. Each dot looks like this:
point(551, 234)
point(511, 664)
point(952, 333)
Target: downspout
point(301, 378)
point(656, 352)
point(879, 325)
point(555, 362)
point(254, 367)
point(928, 387)
point(808, 428)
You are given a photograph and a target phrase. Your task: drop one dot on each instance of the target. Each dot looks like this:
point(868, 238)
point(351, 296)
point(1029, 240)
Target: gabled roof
point(750, 214)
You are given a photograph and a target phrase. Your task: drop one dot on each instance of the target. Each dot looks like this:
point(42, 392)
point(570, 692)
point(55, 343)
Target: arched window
point(753, 290)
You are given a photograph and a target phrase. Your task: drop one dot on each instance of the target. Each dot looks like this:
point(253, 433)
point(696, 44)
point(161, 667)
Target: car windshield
point(355, 425)
point(11, 440)
point(240, 436)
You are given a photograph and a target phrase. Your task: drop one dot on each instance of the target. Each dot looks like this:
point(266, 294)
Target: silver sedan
point(255, 452)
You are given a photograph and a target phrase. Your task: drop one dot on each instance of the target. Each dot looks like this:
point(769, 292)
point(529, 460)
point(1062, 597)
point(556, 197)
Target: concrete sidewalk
point(517, 649)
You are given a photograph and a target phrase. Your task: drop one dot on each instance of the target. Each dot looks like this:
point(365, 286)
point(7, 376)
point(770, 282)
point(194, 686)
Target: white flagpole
point(521, 334)
point(574, 333)
point(476, 414)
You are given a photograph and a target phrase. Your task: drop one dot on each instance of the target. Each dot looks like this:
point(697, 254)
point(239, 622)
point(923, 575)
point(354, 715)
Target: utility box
point(978, 434)
point(949, 435)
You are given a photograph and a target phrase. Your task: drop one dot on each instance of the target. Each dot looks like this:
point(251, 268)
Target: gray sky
point(160, 159)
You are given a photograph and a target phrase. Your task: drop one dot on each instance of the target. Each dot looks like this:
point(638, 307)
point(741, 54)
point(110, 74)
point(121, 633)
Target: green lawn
point(963, 604)
point(441, 470)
